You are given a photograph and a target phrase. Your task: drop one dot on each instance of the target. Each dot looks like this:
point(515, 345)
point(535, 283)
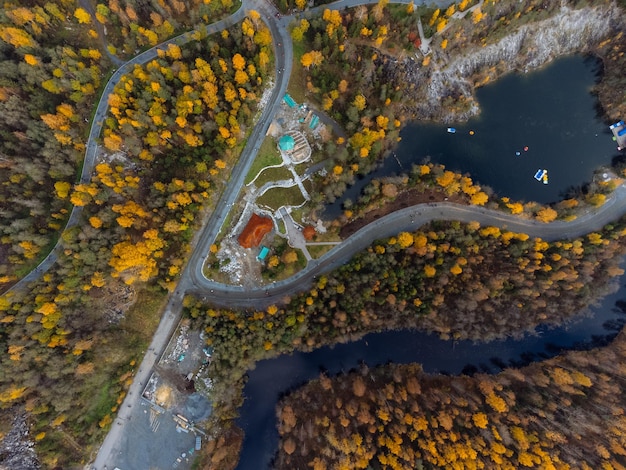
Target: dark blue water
point(273, 378)
point(550, 111)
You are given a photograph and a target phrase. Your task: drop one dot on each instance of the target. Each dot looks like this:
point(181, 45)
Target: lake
point(551, 112)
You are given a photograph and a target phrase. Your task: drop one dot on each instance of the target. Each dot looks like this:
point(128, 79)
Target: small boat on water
point(542, 176)
point(451, 130)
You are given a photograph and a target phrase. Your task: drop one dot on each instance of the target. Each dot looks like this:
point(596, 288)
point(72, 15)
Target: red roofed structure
point(255, 230)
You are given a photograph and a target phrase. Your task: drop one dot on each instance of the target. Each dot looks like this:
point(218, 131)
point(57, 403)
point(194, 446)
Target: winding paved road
point(192, 278)
point(408, 219)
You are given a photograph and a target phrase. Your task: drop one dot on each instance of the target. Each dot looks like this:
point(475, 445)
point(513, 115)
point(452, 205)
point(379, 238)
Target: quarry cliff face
point(448, 87)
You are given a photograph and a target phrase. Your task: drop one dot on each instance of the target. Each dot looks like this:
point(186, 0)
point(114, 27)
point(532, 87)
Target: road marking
point(155, 422)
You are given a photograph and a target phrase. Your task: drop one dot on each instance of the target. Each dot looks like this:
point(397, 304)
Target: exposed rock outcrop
point(16, 449)
point(528, 47)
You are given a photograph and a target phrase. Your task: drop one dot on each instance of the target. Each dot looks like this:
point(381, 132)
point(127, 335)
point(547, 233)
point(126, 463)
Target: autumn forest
point(175, 127)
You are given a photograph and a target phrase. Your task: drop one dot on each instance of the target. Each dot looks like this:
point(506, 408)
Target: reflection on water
point(548, 117)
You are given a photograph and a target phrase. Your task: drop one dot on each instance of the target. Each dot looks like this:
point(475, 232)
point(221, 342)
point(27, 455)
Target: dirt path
point(86, 4)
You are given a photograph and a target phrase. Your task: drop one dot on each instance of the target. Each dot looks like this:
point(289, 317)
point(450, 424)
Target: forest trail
point(100, 28)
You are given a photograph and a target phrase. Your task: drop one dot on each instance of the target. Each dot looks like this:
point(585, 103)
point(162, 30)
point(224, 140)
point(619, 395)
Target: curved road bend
point(102, 108)
point(284, 58)
point(192, 277)
point(283, 64)
point(408, 219)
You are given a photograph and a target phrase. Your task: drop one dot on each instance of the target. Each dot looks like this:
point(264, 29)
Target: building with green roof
point(286, 143)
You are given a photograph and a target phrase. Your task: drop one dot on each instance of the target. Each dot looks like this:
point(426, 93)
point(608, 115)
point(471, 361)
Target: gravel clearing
point(16, 449)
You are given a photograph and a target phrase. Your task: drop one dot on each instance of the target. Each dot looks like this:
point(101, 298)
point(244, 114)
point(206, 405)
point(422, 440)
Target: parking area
point(151, 441)
point(162, 431)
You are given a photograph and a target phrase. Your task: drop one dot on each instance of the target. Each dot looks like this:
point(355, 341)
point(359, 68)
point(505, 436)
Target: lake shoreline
point(399, 347)
point(502, 157)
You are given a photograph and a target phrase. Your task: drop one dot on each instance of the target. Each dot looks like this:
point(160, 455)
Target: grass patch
point(297, 81)
point(317, 251)
point(139, 324)
point(302, 262)
point(281, 226)
point(329, 236)
point(297, 214)
point(293, 268)
point(277, 197)
point(284, 270)
point(101, 406)
point(144, 316)
point(308, 185)
point(227, 222)
point(268, 156)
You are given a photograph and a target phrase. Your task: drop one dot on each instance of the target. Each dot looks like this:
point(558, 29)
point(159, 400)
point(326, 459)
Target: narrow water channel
point(548, 116)
point(273, 378)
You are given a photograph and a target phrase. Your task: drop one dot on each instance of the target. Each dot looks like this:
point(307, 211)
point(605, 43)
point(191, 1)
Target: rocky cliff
point(451, 78)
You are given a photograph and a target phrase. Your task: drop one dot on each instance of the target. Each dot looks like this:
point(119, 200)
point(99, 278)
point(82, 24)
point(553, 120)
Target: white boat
point(451, 130)
point(542, 176)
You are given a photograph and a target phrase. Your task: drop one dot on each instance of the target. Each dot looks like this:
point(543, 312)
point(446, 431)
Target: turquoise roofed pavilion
point(294, 147)
point(289, 100)
point(286, 143)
